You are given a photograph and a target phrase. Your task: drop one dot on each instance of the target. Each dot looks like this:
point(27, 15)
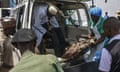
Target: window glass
point(5, 13)
point(20, 15)
point(83, 17)
point(76, 17)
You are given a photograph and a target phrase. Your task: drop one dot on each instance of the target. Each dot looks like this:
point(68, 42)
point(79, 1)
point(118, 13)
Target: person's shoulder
point(117, 45)
point(51, 56)
point(7, 43)
point(47, 56)
point(113, 45)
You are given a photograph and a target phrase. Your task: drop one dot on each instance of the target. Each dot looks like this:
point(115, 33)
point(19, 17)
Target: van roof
point(58, 0)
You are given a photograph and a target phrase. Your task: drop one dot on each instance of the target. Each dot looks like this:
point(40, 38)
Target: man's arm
point(101, 39)
point(54, 22)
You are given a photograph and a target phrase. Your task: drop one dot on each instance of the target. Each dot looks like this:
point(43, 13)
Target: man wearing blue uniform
point(40, 22)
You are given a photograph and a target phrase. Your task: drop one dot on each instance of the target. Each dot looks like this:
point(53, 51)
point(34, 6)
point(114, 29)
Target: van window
point(76, 17)
point(5, 13)
point(20, 15)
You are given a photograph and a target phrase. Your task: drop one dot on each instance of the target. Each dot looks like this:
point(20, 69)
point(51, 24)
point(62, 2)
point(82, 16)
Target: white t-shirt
point(106, 58)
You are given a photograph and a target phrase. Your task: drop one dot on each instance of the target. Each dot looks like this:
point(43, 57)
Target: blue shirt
point(40, 17)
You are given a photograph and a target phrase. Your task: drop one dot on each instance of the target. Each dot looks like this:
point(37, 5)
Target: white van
point(74, 22)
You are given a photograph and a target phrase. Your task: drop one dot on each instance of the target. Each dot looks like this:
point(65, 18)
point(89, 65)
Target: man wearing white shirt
point(110, 58)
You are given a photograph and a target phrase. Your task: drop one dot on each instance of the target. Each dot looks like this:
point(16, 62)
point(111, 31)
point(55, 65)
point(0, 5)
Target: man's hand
point(71, 51)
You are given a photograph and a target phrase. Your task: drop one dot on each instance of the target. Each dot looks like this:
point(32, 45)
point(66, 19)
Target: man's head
point(111, 27)
point(106, 13)
point(24, 39)
point(95, 13)
point(118, 15)
point(8, 25)
point(52, 10)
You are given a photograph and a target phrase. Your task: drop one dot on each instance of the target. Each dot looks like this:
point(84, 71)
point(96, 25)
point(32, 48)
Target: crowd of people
point(105, 47)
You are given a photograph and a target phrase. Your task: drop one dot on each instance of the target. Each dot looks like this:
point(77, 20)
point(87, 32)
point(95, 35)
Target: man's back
point(114, 49)
point(37, 63)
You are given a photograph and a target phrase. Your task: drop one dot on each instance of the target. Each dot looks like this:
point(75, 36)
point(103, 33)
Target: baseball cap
point(24, 35)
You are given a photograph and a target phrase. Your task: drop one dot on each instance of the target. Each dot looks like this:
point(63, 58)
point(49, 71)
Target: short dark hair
point(112, 22)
